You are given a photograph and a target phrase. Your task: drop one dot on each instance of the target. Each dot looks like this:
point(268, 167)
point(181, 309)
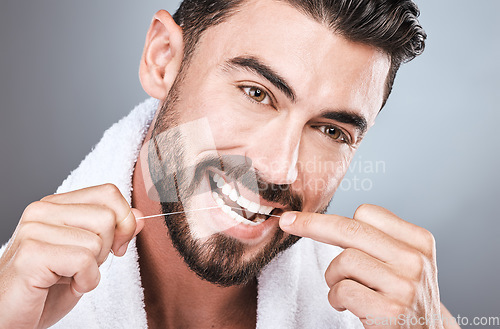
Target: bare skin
point(54, 255)
point(174, 296)
point(362, 70)
point(395, 270)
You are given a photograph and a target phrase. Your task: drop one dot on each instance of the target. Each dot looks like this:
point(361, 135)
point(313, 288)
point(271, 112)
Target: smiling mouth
point(236, 206)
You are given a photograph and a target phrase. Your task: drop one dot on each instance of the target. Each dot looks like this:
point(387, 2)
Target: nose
point(275, 152)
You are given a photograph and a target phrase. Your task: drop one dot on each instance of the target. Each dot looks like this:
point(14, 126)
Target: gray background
point(68, 70)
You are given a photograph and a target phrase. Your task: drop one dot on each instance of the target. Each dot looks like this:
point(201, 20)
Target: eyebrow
point(255, 65)
point(348, 117)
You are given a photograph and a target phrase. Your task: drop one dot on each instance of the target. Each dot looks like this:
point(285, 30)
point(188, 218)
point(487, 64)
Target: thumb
point(140, 222)
point(138, 228)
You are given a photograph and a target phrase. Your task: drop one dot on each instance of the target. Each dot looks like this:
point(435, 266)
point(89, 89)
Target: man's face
point(280, 96)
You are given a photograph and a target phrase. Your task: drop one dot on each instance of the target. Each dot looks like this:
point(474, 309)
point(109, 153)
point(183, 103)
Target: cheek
point(318, 180)
point(234, 125)
point(220, 107)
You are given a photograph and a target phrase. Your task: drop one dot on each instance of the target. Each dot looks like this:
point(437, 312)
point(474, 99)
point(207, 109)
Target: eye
point(334, 133)
point(257, 94)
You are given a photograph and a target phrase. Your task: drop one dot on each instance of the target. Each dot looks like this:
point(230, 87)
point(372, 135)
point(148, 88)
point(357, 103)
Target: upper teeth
point(233, 214)
point(240, 200)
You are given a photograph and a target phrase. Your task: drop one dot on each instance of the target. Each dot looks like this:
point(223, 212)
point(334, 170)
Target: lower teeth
point(231, 213)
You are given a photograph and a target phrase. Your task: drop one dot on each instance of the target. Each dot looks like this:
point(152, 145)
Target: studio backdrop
point(69, 69)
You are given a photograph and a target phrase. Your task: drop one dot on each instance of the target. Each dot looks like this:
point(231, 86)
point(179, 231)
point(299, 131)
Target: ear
point(162, 55)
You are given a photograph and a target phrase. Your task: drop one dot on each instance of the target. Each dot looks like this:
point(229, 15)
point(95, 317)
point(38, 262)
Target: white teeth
point(225, 208)
point(253, 207)
point(234, 215)
point(226, 189)
point(243, 202)
point(265, 210)
point(219, 201)
point(233, 195)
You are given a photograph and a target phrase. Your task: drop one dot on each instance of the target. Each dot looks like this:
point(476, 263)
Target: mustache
point(239, 169)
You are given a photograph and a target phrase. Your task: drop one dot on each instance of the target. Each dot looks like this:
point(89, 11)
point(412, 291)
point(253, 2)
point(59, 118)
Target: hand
point(387, 270)
point(56, 250)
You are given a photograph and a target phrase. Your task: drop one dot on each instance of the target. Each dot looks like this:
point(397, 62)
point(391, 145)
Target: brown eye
point(257, 94)
point(334, 133)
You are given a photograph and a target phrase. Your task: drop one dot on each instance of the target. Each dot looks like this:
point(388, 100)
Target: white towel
point(292, 292)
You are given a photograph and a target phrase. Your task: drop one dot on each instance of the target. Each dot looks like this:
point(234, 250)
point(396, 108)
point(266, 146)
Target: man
point(253, 92)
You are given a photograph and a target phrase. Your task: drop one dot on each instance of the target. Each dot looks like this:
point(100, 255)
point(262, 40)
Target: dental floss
point(173, 213)
point(247, 209)
point(177, 212)
point(180, 212)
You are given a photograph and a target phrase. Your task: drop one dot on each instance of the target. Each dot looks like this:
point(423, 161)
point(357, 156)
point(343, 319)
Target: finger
point(46, 263)
point(362, 301)
point(346, 233)
point(387, 222)
point(97, 219)
point(106, 195)
point(356, 265)
point(31, 271)
point(139, 226)
point(64, 235)
point(139, 222)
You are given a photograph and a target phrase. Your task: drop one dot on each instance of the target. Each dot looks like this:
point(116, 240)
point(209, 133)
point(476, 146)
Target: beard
point(219, 258)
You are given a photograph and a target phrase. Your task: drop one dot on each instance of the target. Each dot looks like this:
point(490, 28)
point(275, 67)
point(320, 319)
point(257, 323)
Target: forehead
point(318, 63)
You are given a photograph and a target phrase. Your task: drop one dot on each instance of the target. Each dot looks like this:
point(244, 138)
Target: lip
point(245, 233)
point(250, 234)
point(247, 193)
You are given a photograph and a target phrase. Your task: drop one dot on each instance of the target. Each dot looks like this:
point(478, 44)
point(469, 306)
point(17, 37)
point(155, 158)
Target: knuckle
point(111, 191)
point(363, 210)
point(346, 258)
point(89, 280)
point(332, 271)
point(28, 246)
point(334, 301)
point(341, 289)
point(92, 280)
point(108, 218)
point(24, 253)
point(351, 228)
point(95, 245)
point(34, 210)
point(47, 198)
point(428, 240)
point(328, 275)
point(417, 261)
point(86, 258)
point(25, 230)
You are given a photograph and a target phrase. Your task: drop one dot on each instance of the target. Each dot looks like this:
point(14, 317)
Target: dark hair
point(390, 25)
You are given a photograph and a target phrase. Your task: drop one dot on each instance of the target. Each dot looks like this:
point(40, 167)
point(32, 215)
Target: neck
point(175, 297)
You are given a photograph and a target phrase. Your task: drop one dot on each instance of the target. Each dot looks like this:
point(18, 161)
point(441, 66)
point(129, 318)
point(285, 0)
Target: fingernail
point(288, 218)
point(130, 213)
point(76, 293)
point(123, 249)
